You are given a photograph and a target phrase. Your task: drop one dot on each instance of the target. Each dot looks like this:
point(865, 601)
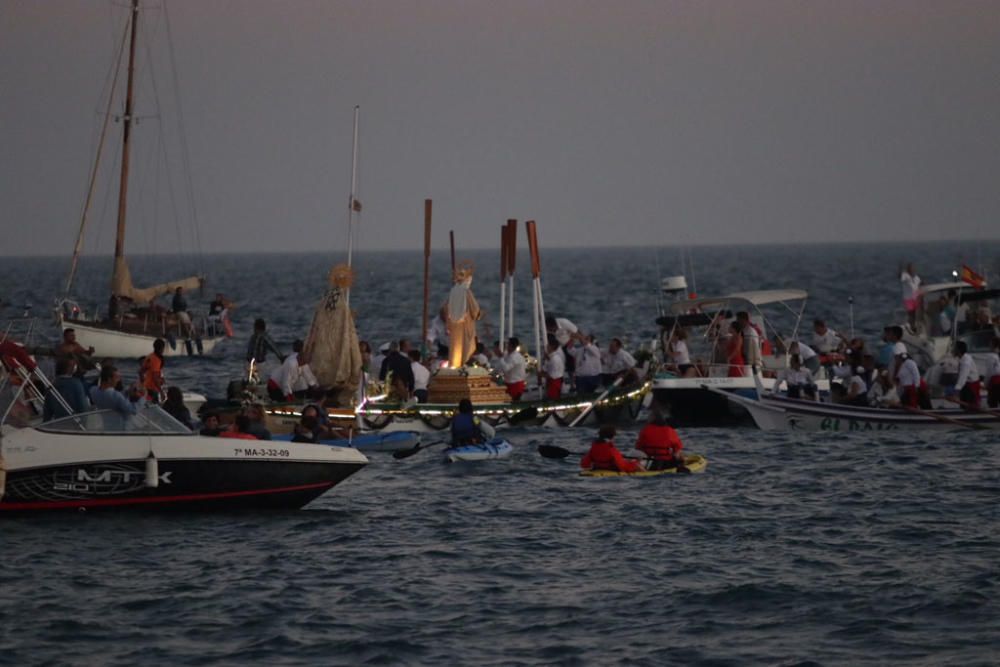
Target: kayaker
point(659, 441)
point(468, 429)
point(603, 454)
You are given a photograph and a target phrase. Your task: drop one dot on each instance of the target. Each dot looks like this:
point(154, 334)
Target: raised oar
point(583, 415)
point(406, 453)
point(942, 418)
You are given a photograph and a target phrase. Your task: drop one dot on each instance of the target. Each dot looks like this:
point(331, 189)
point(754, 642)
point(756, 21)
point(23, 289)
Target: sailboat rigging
point(133, 321)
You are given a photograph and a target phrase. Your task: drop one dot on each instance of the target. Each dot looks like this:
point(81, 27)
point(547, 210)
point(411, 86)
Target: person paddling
point(659, 441)
point(468, 429)
point(603, 454)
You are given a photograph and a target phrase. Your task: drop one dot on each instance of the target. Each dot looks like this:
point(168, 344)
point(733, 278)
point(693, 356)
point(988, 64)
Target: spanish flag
point(973, 278)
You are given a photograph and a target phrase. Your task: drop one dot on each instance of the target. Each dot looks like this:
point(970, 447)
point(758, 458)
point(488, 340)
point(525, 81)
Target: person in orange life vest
point(659, 441)
point(239, 429)
point(152, 371)
point(603, 454)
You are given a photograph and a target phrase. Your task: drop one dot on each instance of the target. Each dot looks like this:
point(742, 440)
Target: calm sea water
point(790, 549)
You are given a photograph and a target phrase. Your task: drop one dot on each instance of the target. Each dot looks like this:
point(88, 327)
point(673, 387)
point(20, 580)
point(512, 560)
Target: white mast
point(353, 205)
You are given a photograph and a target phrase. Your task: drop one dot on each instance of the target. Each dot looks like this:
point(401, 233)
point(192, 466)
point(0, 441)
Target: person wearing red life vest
point(603, 454)
point(659, 441)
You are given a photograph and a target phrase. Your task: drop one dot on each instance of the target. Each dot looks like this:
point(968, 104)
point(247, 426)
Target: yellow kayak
point(694, 463)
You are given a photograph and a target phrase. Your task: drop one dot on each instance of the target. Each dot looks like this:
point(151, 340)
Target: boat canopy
point(754, 298)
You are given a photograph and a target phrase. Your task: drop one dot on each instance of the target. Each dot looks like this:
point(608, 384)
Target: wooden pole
point(427, 274)
point(503, 284)
point(536, 271)
point(451, 234)
point(511, 263)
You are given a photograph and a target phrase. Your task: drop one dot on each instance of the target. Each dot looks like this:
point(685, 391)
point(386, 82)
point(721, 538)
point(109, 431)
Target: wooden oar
point(583, 415)
point(521, 416)
point(971, 407)
point(942, 418)
point(554, 452)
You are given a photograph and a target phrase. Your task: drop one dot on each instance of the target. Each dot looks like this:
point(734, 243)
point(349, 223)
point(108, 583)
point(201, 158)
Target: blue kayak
point(497, 448)
point(371, 442)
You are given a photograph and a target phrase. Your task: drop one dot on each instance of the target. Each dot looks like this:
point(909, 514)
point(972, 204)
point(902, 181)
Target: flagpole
point(353, 205)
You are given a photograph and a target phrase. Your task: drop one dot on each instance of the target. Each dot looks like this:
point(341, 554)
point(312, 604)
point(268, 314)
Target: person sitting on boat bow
point(603, 454)
point(468, 429)
point(659, 441)
point(798, 380)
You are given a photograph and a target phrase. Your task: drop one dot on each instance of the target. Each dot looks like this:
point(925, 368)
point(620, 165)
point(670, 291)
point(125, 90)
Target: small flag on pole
point(973, 278)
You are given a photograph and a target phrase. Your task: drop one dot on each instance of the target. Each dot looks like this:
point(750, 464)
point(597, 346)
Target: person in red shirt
point(239, 429)
point(603, 454)
point(659, 441)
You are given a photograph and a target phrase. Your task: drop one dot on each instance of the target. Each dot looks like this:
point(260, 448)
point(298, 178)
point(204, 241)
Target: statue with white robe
point(462, 312)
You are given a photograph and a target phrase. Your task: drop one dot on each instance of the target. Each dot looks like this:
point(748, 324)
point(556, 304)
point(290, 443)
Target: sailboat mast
point(126, 137)
point(353, 205)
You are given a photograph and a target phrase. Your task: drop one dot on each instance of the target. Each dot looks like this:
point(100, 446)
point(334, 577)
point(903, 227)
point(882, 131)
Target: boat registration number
point(834, 424)
point(261, 451)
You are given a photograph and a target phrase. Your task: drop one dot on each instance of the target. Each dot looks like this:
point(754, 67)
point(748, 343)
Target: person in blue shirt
point(105, 396)
point(468, 429)
point(70, 388)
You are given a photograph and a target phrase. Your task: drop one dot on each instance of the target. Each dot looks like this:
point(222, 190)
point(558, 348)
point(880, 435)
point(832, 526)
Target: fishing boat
point(495, 448)
point(693, 463)
point(133, 320)
point(103, 460)
point(690, 400)
point(775, 413)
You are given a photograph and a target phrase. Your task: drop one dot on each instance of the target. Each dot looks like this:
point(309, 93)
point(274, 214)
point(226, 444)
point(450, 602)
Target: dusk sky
point(626, 123)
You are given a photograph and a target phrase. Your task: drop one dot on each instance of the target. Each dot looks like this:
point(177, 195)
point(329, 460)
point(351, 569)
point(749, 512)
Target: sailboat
point(133, 320)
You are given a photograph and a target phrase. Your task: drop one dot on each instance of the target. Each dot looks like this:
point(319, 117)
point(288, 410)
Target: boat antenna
point(354, 204)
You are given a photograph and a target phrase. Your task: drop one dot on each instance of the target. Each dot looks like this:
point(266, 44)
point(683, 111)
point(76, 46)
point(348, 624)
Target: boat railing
point(150, 420)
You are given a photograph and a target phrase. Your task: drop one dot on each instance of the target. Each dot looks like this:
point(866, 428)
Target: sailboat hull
point(113, 343)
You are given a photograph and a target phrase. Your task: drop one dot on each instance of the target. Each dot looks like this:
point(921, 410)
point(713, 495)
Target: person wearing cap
point(911, 387)
point(659, 441)
point(603, 454)
point(967, 383)
point(514, 369)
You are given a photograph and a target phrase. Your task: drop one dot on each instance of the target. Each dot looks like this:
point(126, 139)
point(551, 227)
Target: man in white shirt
point(421, 376)
point(514, 369)
point(967, 383)
point(588, 364)
point(826, 341)
point(618, 363)
point(553, 369)
point(293, 376)
point(808, 356)
point(911, 293)
point(910, 387)
point(798, 379)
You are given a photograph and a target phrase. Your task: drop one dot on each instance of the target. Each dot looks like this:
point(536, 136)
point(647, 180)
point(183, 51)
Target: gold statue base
point(450, 385)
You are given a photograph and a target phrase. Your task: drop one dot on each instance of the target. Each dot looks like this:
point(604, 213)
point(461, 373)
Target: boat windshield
point(152, 420)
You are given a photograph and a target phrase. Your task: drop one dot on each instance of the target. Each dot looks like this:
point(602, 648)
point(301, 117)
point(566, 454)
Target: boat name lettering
point(250, 451)
point(123, 476)
point(833, 424)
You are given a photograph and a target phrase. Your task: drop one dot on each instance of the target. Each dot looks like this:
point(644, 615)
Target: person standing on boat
point(70, 349)
point(734, 350)
point(967, 383)
point(807, 356)
point(105, 395)
point(588, 364)
point(218, 315)
point(397, 371)
point(421, 376)
point(993, 374)
point(553, 368)
point(260, 343)
point(603, 454)
point(293, 376)
point(179, 307)
point(514, 369)
point(151, 371)
point(751, 340)
point(660, 443)
point(912, 389)
point(462, 311)
point(618, 363)
point(70, 388)
point(680, 358)
point(467, 428)
point(911, 294)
